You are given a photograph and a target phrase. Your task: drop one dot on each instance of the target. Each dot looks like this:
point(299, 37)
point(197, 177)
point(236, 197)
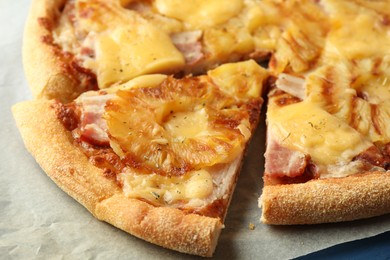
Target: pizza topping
point(367, 24)
point(120, 40)
point(68, 116)
point(104, 158)
point(195, 186)
point(375, 157)
point(294, 162)
point(188, 43)
point(133, 50)
point(292, 85)
point(93, 127)
point(202, 191)
point(339, 123)
point(115, 43)
point(307, 128)
point(240, 80)
point(187, 124)
point(199, 13)
point(295, 31)
point(179, 133)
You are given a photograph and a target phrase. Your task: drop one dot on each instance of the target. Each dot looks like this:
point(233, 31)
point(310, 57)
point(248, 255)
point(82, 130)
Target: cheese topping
point(345, 87)
point(199, 13)
point(367, 35)
point(307, 128)
point(159, 189)
point(115, 43)
point(134, 50)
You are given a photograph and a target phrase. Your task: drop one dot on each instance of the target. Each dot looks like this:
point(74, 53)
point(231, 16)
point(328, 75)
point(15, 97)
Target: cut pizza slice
point(328, 135)
point(328, 146)
point(157, 156)
point(77, 45)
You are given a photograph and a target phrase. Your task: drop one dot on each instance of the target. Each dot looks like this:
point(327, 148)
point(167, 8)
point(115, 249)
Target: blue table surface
point(377, 247)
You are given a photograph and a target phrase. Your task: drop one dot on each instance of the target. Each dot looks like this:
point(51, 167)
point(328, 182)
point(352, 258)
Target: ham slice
point(189, 45)
point(93, 126)
point(281, 161)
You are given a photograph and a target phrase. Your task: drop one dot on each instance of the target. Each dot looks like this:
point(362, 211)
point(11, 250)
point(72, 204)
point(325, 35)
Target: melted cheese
point(306, 127)
point(367, 35)
point(199, 13)
point(143, 81)
point(131, 51)
point(246, 77)
point(161, 190)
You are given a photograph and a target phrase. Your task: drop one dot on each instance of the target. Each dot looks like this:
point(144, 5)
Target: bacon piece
point(292, 85)
point(93, 126)
point(281, 161)
point(189, 45)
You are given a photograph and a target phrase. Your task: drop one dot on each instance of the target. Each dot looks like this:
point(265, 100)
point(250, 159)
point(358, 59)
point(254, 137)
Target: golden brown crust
point(45, 71)
point(327, 200)
point(46, 139)
point(166, 227)
point(52, 146)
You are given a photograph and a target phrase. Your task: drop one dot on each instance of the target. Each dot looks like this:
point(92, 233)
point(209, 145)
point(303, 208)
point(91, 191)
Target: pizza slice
point(78, 45)
point(319, 168)
point(328, 135)
point(328, 147)
point(156, 156)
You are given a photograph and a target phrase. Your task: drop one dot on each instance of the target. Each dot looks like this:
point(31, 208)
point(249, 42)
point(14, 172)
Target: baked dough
point(47, 73)
point(295, 53)
point(327, 200)
point(51, 145)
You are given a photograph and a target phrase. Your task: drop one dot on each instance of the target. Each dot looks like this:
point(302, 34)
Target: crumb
point(251, 226)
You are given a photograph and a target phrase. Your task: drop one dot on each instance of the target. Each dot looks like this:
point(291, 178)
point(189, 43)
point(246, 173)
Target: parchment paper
point(39, 221)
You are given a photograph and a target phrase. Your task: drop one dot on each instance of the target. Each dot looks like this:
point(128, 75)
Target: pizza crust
point(167, 227)
point(46, 73)
point(51, 145)
point(327, 200)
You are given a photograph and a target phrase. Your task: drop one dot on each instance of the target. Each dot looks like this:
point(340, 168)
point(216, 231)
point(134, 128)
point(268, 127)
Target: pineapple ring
point(177, 126)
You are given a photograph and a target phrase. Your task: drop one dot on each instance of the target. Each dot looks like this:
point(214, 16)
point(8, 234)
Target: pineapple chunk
point(183, 125)
point(188, 124)
point(243, 80)
point(143, 128)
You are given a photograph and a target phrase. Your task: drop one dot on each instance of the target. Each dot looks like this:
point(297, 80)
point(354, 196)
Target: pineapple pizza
point(143, 110)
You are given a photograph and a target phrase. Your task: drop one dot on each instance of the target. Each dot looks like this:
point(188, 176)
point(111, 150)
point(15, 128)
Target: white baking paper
point(39, 221)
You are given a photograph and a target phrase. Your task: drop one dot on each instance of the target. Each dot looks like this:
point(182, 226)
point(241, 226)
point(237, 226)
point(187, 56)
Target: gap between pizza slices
point(156, 151)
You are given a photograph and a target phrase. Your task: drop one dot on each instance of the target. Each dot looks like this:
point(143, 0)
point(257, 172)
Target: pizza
point(143, 110)
point(156, 156)
point(331, 124)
